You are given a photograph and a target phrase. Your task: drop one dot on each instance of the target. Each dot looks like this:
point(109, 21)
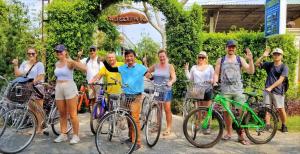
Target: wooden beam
point(249, 13)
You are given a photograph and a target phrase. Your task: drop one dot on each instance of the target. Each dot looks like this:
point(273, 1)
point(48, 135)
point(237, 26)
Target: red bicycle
point(83, 98)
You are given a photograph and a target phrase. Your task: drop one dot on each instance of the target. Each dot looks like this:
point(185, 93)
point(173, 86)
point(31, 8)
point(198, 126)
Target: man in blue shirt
point(132, 75)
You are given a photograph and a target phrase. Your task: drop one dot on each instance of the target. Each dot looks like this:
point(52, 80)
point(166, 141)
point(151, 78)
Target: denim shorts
point(168, 96)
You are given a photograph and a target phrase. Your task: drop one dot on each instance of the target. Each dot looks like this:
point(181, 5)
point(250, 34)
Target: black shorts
point(208, 95)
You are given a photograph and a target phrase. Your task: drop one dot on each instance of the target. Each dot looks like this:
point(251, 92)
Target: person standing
point(93, 65)
point(229, 69)
point(202, 73)
point(132, 75)
point(32, 68)
point(277, 73)
point(114, 89)
point(163, 72)
point(66, 93)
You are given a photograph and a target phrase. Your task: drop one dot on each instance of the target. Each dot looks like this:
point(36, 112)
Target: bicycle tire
point(144, 112)
point(154, 110)
point(21, 124)
point(261, 114)
point(55, 120)
point(95, 116)
point(112, 117)
point(216, 124)
point(187, 107)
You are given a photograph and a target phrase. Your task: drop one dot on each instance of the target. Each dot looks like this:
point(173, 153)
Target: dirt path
point(175, 144)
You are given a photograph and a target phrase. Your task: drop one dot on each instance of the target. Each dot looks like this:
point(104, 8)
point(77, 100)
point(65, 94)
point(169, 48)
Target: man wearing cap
point(229, 70)
point(274, 92)
point(93, 64)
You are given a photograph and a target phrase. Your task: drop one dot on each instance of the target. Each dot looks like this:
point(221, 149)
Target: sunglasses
point(30, 53)
point(92, 50)
point(201, 57)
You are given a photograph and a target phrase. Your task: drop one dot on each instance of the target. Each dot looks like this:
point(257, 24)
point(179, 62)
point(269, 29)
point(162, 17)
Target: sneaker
point(284, 129)
point(75, 139)
point(206, 131)
point(61, 138)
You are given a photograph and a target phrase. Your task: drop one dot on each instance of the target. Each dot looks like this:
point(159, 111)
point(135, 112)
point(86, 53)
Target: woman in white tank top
point(66, 93)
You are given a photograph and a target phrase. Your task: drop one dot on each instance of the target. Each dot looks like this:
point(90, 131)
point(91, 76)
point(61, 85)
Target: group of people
point(228, 71)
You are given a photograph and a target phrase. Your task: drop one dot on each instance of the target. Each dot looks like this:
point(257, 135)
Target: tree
point(148, 48)
point(154, 17)
point(15, 35)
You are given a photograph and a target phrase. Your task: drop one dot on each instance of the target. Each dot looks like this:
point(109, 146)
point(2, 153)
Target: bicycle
point(114, 128)
point(100, 107)
point(252, 120)
point(20, 123)
point(151, 114)
point(83, 98)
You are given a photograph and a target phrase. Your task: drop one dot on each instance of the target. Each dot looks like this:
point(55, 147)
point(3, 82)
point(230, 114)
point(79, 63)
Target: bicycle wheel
point(19, 130)
point(112, 133)
point(187, 107)
point(96, 114)
point(264, 134)
point(55, 122)
point(197, 133)
point(144, 112)
point(153, 125)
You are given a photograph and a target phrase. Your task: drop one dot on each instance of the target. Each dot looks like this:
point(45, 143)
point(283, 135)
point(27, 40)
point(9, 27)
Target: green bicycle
point(203, 126)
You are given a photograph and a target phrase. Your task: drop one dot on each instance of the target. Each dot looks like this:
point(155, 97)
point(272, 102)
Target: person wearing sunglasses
point(66, 93)
point(93, 64)
point(35, 70)
point(201, 75)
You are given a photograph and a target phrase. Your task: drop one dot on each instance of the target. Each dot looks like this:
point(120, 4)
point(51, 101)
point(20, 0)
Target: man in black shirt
point(275, 89)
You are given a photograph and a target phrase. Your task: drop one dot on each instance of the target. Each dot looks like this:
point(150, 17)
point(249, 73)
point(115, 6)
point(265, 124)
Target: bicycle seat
point(149, 91)
point(253, 94)
point(114, 96)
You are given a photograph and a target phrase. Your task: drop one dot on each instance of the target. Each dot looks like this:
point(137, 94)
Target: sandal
point(226, 137)
point(243, 141)
point(167, 133)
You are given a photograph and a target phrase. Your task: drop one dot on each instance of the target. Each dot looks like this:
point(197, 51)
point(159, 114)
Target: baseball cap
point(60, 48)
point(231, 43)
point(203, 53)
point(93, 47)
point(277, 50)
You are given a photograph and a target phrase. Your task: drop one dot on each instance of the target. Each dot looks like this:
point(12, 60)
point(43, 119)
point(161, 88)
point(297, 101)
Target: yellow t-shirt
point(115, 89)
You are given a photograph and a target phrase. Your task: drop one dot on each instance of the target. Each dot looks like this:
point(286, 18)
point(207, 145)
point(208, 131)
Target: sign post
point(275, 17)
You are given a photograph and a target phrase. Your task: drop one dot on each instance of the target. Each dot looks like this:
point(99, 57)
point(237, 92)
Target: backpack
point(285, 82)
point(88, 59)
point(238, 59)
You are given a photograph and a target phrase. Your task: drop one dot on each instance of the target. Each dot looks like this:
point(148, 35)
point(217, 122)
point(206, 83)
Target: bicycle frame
point(82, 96)
point(220, 99)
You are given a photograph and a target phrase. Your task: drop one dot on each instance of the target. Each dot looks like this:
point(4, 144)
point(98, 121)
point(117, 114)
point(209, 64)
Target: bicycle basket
point(126, 101)
point(197, 90)
point(20, 92)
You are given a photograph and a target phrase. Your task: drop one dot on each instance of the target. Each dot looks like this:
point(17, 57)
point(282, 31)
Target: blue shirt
point(133, 78)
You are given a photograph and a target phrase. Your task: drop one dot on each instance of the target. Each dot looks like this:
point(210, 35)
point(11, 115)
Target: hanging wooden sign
point(128, 18)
